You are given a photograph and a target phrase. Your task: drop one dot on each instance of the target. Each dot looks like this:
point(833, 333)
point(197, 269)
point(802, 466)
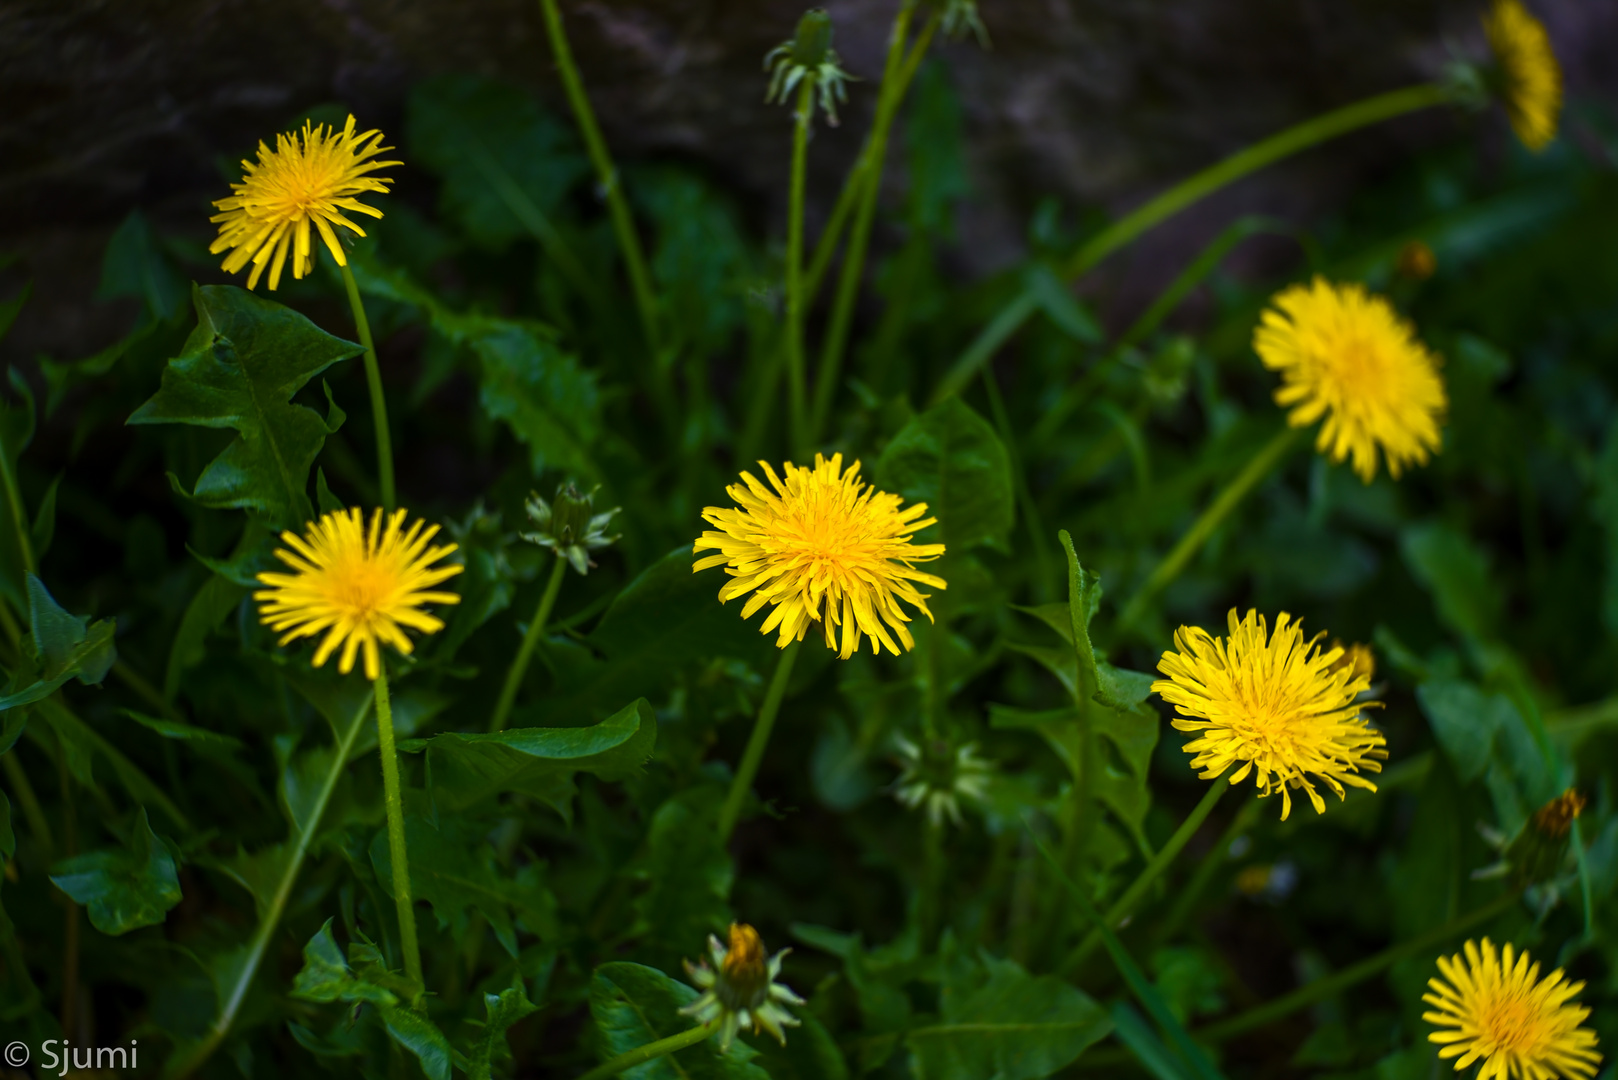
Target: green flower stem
point(1586, 890)
point(379, 403)
point(19, 515)
point(796, 383)
point(21, 787)
point(393, 797)
point(187, 1062)
point(623, 223)
point(1191, 895)
point(1261, 465)
point(1321, 989)
point(1125, 904)
point(848, 283)
point(525, 653)
point(651, 1051)
point(1186, 193)
point(931, 906)
point(757, 741)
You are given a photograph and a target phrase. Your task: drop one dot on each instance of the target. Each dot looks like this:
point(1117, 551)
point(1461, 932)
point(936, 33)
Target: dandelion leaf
point(665, 620)
point(633, 1005)
point(466, 769)
point(951, 459)
point(997, 1020)
point(687, 874)
point(452, 867)
point(126, 888)
point(503, 1010)
point(64, 647)
point(1454, 570)
point(240, 369)
point(501, 156)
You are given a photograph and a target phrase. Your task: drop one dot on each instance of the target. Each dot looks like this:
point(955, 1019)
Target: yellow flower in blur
point(1496, 1008)
point(310, 177)
point(1530, 77)
point(358, 586)
point(1275, 704)
point(822, 546)
point(1348, 356)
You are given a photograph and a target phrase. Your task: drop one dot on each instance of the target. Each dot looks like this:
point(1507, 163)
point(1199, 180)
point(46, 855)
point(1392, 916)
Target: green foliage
point(565, 867)
point(240, 369)
point(123, 889)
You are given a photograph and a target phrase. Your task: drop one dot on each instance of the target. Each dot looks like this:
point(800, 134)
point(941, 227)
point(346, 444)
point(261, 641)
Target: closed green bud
point(808, 58)
point(569, 526)
point(811, 45)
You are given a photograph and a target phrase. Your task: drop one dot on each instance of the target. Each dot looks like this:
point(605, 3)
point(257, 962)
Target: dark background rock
point(111, 105)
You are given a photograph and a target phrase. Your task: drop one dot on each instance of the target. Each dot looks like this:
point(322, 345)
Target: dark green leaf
point(549, 400)
point(950, 458)
point(688, 874)
point(998, 1020)
point(633, 1005)
point(240, 369)
point(504, 1009)
point(1464, 720)
point(134, 265)
point(467, 769)
point(1456, 573)
point(125, 888)
point(452, 867)
point(1055, 298)
point(65, 647)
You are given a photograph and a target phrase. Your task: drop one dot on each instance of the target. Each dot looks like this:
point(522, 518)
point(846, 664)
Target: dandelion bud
point(740, 987)
point(1539, 851)
point(811, 45)
point(808, 56)
point(1416, 261)
point(957, 18)
point(938, 774)
point(569, 527)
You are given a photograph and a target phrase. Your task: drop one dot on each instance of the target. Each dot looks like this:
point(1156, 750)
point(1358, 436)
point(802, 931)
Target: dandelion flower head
point(356, 585)
point(1530, 77)
point(1348, 356)
point(310, 178)
point(741, 987)
point(1494, 1006)
point(1275, 705)
point(821, 545)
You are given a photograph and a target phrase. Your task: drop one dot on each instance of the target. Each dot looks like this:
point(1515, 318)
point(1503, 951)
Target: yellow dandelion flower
point(822, 546)
point(1498, 1009)
point(310, 177)
point(1276, 704)
point(741, 988)
point(1357, 658)
point(1348, 356)
point(1530, 77)
point(356, 585)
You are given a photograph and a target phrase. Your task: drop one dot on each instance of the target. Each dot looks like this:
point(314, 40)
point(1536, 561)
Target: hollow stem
point(1192, 893)
point(796, 381)
point(190, 1060)
point(525, 652)
point(1257, 469)
point(1125, 904)
point(393, 798)
point(1189, 191)
point(379, 403)
point(623, 223)
point(931, 902)
point(651, 1051)
point(756, 742)
point(848, 282)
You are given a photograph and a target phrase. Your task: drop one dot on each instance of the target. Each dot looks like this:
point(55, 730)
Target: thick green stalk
point(797, 389)
point(1187, 192)
point(848, 282)
point(757, 741)
point(651, 1051)
point(931, 905)
point(393, 798)
point(231, 1002)
point(1261, 465)
point(525, 653)
point(1125, 904)
point(379, 403)
point(623, 223)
